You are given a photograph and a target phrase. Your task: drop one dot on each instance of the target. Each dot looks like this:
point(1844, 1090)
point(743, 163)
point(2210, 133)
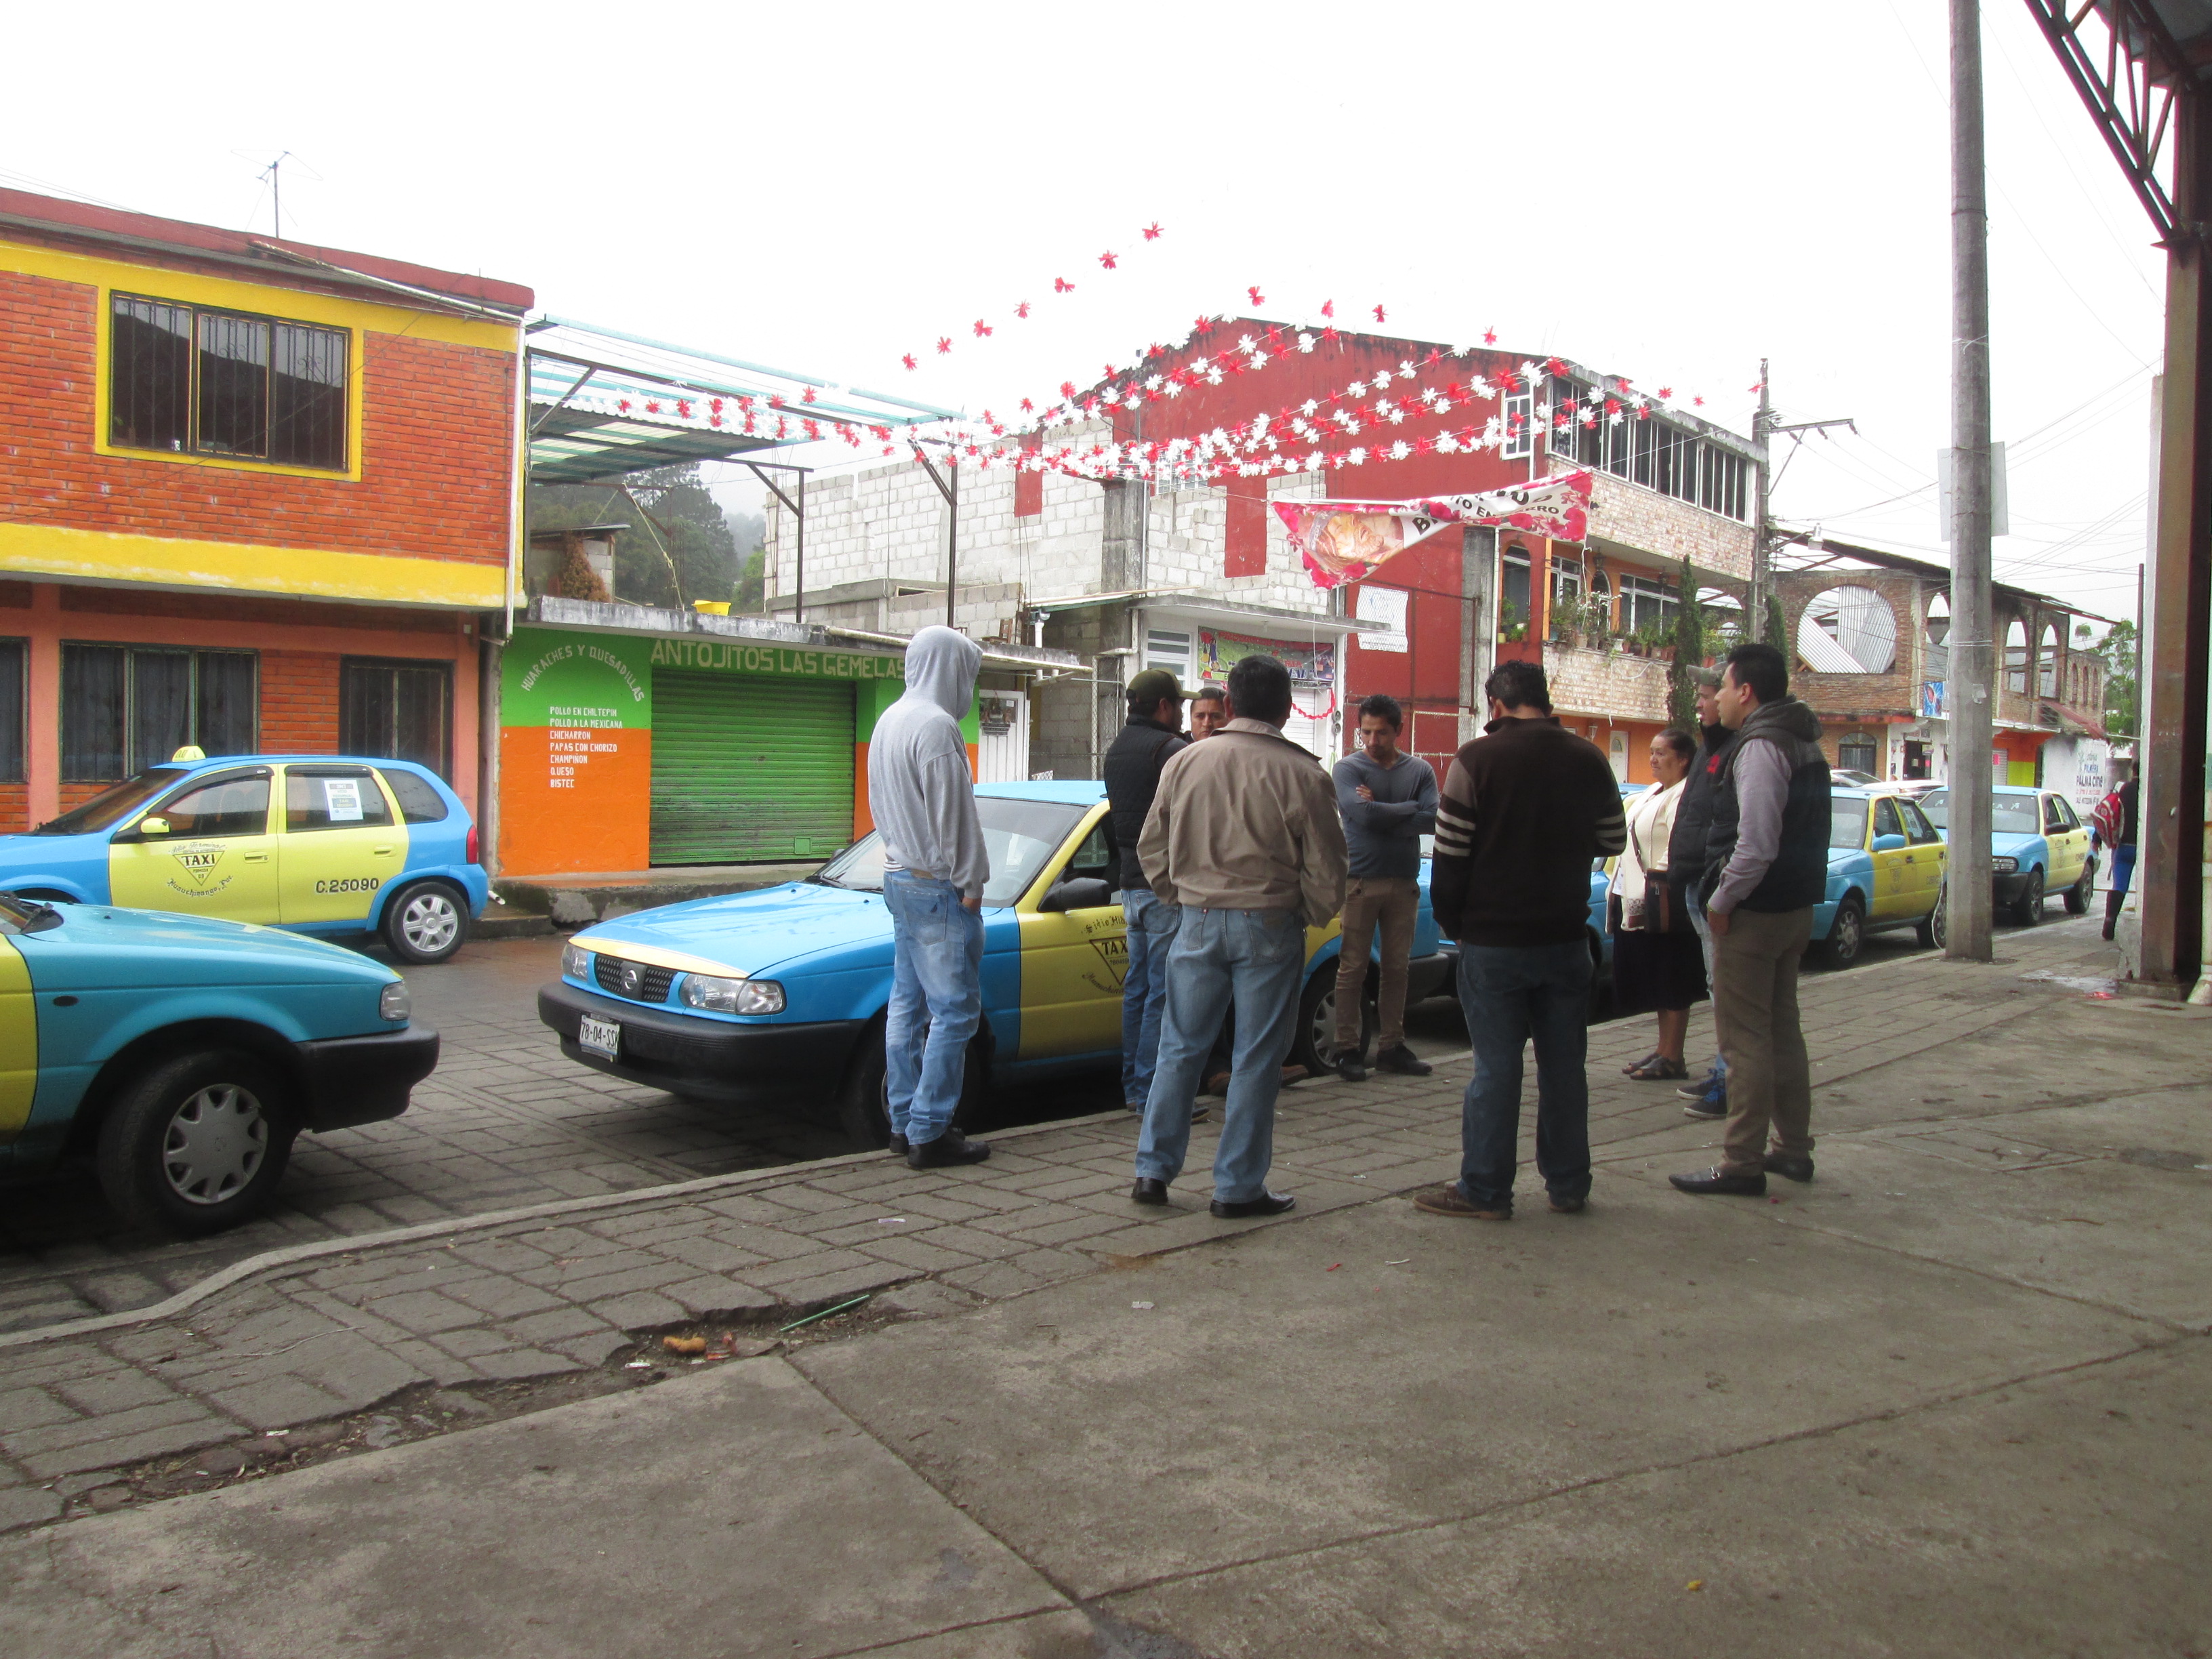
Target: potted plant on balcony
point(1596, 620)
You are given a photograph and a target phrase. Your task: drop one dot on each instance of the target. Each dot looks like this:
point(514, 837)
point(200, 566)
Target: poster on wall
point(1345, 541)
point(1386, 605)
point(575, 752)
point(1312, 663)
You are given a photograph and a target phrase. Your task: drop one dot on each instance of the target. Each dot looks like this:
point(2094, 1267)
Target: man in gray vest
point(1766, 867)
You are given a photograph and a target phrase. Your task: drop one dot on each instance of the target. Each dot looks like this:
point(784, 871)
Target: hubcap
point(215, 1143)
point(1323, 1030)
point(1847, 935)
point(429, 921)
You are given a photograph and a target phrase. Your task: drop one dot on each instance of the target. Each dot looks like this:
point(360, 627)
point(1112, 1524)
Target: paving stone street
point(537, 1256)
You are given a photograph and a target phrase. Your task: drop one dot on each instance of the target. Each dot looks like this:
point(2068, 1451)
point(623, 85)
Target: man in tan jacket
point(1244, 836)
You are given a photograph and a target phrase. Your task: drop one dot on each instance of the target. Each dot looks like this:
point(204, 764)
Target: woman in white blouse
point(1656, 963)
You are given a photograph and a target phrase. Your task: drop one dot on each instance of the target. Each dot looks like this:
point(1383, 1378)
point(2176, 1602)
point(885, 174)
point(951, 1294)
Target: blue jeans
point(1697, 902)
point(1511, 995)
point(1255, 959)
point(2124, 867)
point(937, 1001)
point(1151, 929)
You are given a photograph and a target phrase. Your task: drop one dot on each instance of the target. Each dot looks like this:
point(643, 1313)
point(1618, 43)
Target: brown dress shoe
point(1448, 1200)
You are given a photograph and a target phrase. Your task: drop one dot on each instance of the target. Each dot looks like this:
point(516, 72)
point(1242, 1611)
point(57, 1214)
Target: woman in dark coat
point(1656, 962)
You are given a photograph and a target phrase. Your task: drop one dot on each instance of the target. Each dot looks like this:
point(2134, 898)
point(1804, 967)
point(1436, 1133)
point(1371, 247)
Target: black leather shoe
point(948, 1149)
point(1149, 1189)
point(1402, 1060)
point(1720, 1182)
point(1266, 1204)
point(1350, 1068)
point(898, 1145)
point(1790, 1166)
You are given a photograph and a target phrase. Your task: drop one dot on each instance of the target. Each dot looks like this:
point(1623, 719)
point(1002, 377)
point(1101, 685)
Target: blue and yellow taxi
point(2038, 845)
point(781, 992)
point(1887, 862)
point(321, 844)
point(180, 1055)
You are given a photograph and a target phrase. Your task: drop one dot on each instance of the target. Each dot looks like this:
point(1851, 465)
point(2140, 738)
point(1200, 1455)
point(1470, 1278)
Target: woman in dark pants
point(1658, 963)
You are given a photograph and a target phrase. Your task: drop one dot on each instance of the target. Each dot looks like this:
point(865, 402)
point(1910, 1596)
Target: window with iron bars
point(184, 379)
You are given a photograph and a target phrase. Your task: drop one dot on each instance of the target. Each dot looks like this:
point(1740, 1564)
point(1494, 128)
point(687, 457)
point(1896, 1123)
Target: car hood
point(2011, 845)
point(750, 933)
point(111, 947)
point(18, 851)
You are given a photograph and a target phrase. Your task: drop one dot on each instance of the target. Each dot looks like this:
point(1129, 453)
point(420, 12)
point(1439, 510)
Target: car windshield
point(1019, 835)
point(111, 806)
point(2009, 815)
point(1847, 824)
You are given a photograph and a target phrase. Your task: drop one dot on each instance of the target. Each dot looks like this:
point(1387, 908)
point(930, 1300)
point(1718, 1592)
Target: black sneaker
point(949, 1149)
point(1790, 1166)
point(1720, 1182)
point(1402, 1060)
point(1350, 1068)
point(897, 1145)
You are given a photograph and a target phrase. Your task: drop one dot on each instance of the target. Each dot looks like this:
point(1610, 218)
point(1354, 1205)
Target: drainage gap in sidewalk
point(425, 1410)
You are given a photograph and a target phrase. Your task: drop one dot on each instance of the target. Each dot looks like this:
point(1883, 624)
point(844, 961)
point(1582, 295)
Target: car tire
point(2029, 911)
point(425, 922)
point(197, 1143)
point(1313, 1042)
point(2083, 893)
point(1932, 929)
point(1846, 934)
point(863, 1110)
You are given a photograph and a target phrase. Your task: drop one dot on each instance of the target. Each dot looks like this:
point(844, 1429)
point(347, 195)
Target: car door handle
point(257, 857)
point(382, 851)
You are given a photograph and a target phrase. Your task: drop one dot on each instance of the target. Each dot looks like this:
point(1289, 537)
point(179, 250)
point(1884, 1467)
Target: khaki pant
point(1392, 902)
point(1769, 1082)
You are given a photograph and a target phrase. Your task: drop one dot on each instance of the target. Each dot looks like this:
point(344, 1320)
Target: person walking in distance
point(1685, 869)
point(935, 867)
point(1151, 737)
point(1524, 809)
point(1209, 711)
point(1766, 867)
point(1243, 836)
point(2113, 825)
point(1388, 802)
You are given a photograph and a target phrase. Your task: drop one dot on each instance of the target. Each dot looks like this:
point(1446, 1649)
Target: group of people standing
point(1230, 843)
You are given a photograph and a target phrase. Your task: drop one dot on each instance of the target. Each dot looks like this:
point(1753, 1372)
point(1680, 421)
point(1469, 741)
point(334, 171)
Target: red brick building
point(254, 495)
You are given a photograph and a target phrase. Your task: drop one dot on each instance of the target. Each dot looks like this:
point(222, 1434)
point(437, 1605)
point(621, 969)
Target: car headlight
point(575, 962)
point(2004, 866)
point(396, 1003)
point(732, 996)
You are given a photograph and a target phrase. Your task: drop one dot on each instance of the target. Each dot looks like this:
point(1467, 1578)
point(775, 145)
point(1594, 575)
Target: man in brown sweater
point(1243, 836)
point(1525, 808)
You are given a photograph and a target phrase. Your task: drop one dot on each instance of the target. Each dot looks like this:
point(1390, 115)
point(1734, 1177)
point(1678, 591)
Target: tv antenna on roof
point(273, 173)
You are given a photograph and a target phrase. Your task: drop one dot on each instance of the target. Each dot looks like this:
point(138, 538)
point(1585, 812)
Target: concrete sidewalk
point(1947, 1399)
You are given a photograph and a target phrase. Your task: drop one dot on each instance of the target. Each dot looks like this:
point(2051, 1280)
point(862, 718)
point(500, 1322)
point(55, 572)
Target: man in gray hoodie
point(922, 796)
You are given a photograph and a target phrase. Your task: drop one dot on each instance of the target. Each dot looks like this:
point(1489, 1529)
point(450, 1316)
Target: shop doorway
point(749, 770)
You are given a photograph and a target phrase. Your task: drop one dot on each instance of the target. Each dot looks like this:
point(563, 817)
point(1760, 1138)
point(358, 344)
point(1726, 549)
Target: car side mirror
point(1889, 843)
point(152, 826)
point(1079, 893)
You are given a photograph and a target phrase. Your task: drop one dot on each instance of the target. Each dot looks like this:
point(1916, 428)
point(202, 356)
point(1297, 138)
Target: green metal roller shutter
point(746, 769)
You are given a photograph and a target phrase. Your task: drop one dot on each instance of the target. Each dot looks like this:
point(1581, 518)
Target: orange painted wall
point(574, 812)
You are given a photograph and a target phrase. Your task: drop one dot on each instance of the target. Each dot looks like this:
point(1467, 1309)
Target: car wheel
point(197, 1144)
point(2029, 911)
point(425, 923)
point(863, 1104)
point(1313, 1044)
point(1847, 935)
point(2082, 893)
point(1931, 929)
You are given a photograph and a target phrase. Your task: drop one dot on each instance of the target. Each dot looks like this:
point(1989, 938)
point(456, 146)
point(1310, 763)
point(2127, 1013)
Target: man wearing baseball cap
point(1153, 737)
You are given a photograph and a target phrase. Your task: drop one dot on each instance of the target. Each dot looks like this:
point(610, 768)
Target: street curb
point(292, 1255)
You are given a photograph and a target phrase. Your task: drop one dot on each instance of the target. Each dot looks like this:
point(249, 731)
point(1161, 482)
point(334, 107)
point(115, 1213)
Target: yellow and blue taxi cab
point(1887, 863)
point(181, 1054)
point(323, 844)
point(782, 992)
point(2038, 845)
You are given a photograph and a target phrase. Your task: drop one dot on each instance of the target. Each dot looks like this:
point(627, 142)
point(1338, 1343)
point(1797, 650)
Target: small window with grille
point(186, 379)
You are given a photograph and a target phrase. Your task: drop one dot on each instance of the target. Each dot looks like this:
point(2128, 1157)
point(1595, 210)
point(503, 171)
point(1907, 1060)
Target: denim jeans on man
point(1257, 959)
point(937, 1000)
point(1695, 895)
point(1513, 994)
point(1151, 929)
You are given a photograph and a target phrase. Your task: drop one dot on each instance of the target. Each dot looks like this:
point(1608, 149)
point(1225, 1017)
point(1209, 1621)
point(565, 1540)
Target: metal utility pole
point(1971, 678)
point(948, 485)
point(1754, 625)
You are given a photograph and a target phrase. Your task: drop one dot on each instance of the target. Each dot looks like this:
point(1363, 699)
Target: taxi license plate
point(599, 1036)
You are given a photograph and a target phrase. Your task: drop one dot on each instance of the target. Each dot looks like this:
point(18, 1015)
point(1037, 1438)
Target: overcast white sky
point(1666, 192)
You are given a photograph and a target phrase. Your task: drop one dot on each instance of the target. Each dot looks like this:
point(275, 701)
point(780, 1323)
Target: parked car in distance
point(1853, 779)
point(2038, 845)
point(780, 994)
point(1886, 869)
point(181, 1054)
point(322, 844)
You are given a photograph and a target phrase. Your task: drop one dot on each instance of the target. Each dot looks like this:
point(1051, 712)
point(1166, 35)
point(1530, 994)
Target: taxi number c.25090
point(350, 884)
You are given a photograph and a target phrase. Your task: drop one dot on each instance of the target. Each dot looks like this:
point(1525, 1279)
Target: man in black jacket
point(1153, 737)
point(1524, 809)
point(1766, 867)
point(1686, 867)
